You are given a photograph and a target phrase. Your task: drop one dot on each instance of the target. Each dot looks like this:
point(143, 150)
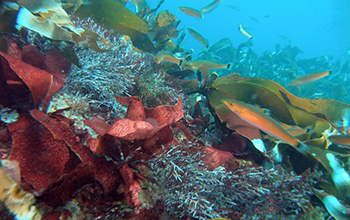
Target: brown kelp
point(321, 116)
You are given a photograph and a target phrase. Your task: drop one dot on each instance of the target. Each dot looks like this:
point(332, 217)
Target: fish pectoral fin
point(180, 63)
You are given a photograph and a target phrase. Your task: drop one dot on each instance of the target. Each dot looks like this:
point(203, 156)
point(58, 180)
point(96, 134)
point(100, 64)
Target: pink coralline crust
point(215, 158)
point(135, 127)
point(12, 169)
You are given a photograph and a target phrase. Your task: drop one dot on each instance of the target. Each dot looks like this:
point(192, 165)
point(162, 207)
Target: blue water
point(317, 27)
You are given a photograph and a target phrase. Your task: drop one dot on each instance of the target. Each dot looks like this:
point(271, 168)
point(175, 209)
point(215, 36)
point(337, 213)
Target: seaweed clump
point(187, 188)
point(120, 70)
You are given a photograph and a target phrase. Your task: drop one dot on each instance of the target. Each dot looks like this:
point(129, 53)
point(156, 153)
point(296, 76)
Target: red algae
point(132, 187)
point(28, 69)
point(21, 77)
point(135, 127)
point(215, 158)
point(41, 158)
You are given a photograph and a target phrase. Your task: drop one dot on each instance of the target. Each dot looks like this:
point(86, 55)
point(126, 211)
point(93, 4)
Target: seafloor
point(96, 128)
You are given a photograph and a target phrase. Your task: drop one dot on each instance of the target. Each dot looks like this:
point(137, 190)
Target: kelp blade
point(114, 15)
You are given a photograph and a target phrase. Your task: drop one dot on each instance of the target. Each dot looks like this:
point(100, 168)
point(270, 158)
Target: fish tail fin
point(303, 148)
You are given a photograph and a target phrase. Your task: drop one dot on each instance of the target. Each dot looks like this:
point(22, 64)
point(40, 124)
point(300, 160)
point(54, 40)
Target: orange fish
point(265, 123)
point(340, 139)
point(309, 78)
point(196, 64)
point(211, 6)
point(166, 56)
point(244, 32)
point(191, 12)
point(198, 37)
point(204, 66)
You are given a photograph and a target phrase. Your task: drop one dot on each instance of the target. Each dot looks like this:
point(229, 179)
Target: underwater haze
point(197, 110)
point(317, 27)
